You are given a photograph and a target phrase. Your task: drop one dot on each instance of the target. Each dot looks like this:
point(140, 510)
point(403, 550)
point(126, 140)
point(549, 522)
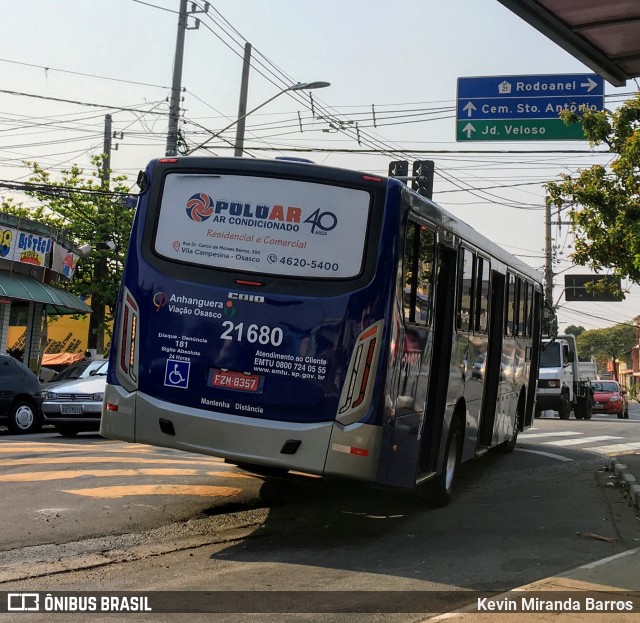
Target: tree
point(604, 202)
point(573, 330)
point(612, 343)
point(80, 206)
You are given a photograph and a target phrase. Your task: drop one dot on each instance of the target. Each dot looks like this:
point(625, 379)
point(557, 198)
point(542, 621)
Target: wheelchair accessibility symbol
point(176, 374)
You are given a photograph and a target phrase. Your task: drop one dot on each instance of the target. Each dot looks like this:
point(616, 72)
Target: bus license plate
point(74, 410)
point(238, 381)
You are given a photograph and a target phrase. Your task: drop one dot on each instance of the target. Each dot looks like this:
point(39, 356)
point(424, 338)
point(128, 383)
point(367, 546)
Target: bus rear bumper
point(241, 439)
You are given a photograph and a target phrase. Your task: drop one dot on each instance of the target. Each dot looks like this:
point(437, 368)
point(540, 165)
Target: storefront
point(36, 261)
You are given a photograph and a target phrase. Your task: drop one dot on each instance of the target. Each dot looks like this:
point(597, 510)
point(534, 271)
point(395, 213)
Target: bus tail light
point(358, 387)
point(128, 346)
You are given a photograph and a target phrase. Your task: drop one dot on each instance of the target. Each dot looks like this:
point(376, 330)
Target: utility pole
point(550, 322)
point(176, 87)
point(95, 338)
point(548, 257)
point(242, 107)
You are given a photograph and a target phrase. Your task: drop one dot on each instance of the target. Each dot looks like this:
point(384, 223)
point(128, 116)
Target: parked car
point(20, 397)
point(80, 370)
point(76, 405)
point(609, 397)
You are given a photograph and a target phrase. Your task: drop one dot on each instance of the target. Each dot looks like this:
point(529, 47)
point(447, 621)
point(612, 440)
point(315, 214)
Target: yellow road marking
point(49, 447)
point(106, 473)
point(124, 490)
point(77, 473)
point(234, 475)
point(69, 460)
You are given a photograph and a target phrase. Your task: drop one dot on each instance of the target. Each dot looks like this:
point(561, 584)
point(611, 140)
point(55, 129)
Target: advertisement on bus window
point(263, 225)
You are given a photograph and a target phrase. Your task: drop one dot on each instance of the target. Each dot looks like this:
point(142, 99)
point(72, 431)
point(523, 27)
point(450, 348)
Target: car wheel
point(23, 418)
point(67, 431)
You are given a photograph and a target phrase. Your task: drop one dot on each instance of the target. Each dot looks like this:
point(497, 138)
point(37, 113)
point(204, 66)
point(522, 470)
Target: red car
point(609, 397)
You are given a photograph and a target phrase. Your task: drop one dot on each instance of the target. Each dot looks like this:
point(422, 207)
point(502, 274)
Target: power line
point(78, 73)
point(58, 190)
point(79, 103)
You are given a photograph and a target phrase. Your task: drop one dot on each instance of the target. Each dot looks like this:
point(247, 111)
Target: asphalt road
point(92, 514)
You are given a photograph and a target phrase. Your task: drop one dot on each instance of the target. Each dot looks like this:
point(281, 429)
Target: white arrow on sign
point(590, 84)
point(469, 108)
point(468, 129)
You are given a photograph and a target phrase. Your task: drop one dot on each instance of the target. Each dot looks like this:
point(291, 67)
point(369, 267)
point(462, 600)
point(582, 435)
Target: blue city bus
point(288, 316)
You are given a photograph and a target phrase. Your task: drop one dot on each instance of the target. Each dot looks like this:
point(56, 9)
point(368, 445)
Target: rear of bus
point(251, 318)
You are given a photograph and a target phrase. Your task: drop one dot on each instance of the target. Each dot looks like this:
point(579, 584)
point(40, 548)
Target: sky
point(64, 65)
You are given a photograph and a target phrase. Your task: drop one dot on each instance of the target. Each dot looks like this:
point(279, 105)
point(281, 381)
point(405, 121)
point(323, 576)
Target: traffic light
point(423, 178)
point(399, 168)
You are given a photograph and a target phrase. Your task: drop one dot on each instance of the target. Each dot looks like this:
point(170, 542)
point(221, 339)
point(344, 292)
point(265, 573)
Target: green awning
point(23, 288)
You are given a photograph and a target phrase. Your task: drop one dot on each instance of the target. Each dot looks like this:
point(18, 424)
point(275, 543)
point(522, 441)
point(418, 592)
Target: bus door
point(439, 381)
point(409, 371)
point(411, 437)
point(534, 311)
point(494, 360)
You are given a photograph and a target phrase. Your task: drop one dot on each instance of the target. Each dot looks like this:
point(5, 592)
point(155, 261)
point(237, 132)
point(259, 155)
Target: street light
point(300, 86)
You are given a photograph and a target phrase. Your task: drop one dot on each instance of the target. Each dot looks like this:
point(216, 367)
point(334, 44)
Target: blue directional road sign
point(503, 108)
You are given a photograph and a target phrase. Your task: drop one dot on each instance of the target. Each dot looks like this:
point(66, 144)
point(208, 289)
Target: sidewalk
point(613, 579)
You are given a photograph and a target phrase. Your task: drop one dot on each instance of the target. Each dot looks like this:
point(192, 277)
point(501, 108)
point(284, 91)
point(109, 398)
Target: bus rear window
point(263, 225)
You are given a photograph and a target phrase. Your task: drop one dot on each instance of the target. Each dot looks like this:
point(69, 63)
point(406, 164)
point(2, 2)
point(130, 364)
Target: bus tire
point(507, 447)
point(442, 484)
point(564, 410)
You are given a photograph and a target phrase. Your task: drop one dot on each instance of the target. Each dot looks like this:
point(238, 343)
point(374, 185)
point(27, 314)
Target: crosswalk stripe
point(121, 491)
point(617, 448)
point(581, 441)
point(565, 433)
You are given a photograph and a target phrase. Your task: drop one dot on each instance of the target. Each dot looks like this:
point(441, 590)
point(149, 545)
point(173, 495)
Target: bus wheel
point(442, 485)
point(506, 447)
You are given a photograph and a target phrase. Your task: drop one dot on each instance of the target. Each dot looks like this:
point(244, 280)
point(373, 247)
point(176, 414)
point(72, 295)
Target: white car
point(75, 406)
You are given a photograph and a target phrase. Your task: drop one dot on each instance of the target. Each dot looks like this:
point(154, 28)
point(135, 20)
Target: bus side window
point(510, 302)
point(466, 278)
point(481, 307)
point(529, 325)
point(522, 307)
point(419, 253)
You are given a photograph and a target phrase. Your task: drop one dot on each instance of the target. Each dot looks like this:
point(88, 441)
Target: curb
point(627, 481)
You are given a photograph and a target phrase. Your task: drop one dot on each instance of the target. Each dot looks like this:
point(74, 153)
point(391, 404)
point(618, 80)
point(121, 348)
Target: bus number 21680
point(262, 334)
